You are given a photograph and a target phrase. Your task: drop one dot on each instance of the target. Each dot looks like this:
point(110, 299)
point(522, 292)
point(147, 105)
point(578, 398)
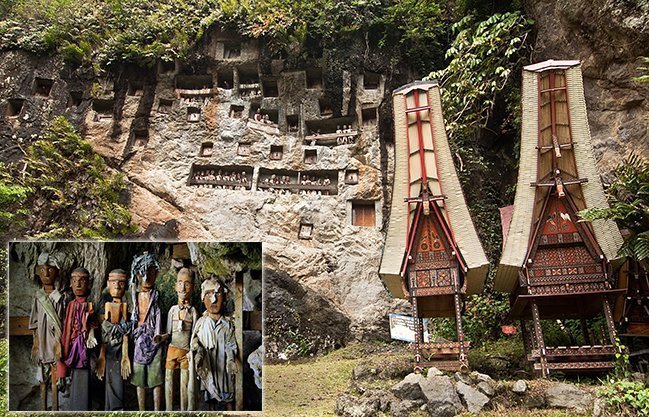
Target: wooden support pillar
point(528, 344)
point(419, 334)
point(538, 335)
point(463, 357)
point(238, 317)
point(584, 331)
point(608, 314)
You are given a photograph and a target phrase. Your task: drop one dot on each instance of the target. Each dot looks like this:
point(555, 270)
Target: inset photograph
point(160, 326)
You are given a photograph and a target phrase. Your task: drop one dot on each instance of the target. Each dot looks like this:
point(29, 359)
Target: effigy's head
point(213, 294)
point(80, 282)
point(47, 268)
point(185, 284)
point(117, 283)
point(146, 267)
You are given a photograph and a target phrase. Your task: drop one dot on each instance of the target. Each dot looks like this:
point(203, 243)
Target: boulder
point(520, 387)
point(568, 396)
point(461, 377)
point(474, 399)
point(404, 408)
point(409, 388)
point(432, 371)
point(486, 388)
point(441, 397)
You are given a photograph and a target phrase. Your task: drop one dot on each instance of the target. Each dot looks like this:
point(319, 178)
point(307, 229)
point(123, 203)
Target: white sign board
point(403, 328)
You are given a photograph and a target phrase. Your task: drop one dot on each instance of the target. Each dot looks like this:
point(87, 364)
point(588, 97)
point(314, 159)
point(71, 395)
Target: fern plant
point(629, 206)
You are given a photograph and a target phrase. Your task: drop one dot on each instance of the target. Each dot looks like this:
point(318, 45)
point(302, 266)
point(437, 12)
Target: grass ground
point(309, 387)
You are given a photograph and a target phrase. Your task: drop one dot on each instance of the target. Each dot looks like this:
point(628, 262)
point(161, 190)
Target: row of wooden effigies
point(132, 346)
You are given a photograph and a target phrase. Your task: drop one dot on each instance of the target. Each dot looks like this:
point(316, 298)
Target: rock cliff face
point(237, 145)
point(609, 37)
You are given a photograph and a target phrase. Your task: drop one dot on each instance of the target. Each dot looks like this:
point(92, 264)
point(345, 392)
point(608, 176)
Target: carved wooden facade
point(432, 254)
point(563, 267)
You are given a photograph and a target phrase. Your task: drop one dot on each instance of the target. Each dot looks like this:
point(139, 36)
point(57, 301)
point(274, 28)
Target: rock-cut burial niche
point(43, 86)
point(103, 108)
point(331, 132)
point(207, 149)
point(231, 50)
point(369, 116)
point(351, 176)
point(140, 138)
point(194, 82)
point(165, 105)
point(310, 156)
point(248, 76)
point(236, 111)
point(221, 177)
point(243, 149)
point(276, 152)
point(135, 88)
point(266, 116)
point(279, 181)
point(75, 99)
point(269, 88)
point(166, 67)
point(293, 123)
point(371, 80)
point(326, 109)
point(314, 78)
point(306, 231)
point(14, 107)
point(225, 79)
point(193, 114)
point(363, 213)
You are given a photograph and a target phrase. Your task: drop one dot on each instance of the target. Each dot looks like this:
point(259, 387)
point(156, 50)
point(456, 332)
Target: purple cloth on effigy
point(78, 357)
point(145, 347)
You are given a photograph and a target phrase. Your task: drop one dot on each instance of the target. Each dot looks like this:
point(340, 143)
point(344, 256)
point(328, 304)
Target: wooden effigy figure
point(113, 360)
point(180, 323)
point(147, 322)
point(214, 348)
point(46, 322)
point(78, 338)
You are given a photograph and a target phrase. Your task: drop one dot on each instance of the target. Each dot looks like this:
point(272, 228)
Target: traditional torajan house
point(554, 266)
point(432, 255)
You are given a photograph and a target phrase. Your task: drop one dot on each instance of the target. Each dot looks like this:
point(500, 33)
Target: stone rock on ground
point(409, 388)
point(486, 388)
point(441, 397)
point(568, 396)
point(460, 377)
point(405, 407)
point(351, 406)
point(519, 387)
point(432, 371)
point(474, 399)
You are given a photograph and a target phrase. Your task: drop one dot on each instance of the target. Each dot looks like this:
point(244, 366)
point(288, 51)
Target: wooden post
point(464, 361)
point(609, 321)
point(584, 331)
point(418, 335)
point(238, 317)
point(538, 334)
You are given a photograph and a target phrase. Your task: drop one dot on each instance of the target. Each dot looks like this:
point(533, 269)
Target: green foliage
point(73, 191)
point(644, 78)
point(484, 56)
point(626, 398)
point(4, 370)
point(11, 196)
point(499, 359)
point(223, 259)
point(629, 206)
